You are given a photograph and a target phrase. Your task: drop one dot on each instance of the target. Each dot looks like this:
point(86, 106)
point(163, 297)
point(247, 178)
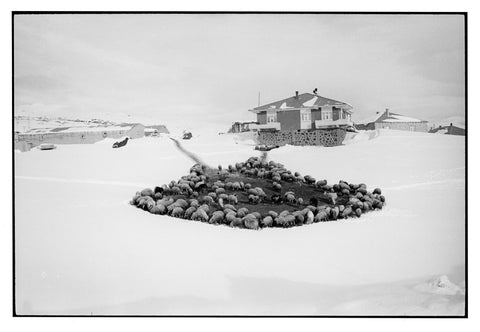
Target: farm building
point(389, 120)
point(75, 135)
point(448, 130)
point(302, 112)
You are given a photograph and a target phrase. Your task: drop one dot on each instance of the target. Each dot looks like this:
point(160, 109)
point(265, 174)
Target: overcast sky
point(189, 69)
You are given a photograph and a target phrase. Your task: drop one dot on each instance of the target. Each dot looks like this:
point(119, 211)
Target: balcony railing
point(270, 125)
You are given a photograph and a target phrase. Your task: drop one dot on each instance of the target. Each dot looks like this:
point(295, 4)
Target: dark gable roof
point(299, 102)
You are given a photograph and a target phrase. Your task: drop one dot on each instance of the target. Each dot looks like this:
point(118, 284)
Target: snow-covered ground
point(82, 249)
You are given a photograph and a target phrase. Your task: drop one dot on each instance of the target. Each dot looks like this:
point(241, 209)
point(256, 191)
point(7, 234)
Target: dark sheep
point(313, 201)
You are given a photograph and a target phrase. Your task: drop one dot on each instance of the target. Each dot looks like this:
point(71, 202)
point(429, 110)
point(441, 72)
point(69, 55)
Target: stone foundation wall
point(323, 137)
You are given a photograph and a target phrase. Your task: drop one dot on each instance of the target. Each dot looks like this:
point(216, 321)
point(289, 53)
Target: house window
point(272, 117)
point(305, 117)
point(326, 115)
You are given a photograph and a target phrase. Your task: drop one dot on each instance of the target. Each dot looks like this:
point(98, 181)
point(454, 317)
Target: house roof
point(304, 100)
point(392, 117)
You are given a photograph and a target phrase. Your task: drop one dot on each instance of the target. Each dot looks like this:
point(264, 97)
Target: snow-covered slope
point(82, 249)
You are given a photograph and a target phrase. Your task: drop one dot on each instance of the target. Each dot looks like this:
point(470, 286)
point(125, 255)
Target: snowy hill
point(82, 249)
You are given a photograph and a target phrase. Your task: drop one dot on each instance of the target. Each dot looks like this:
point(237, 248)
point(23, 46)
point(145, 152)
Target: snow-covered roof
point(392, 117)
point(304, 100)
point(400, 118)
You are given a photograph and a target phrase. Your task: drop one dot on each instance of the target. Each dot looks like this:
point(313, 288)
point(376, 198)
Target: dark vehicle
point(120, 144)
point(266, 147)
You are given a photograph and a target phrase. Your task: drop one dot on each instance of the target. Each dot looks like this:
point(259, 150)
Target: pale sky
point(193, 69)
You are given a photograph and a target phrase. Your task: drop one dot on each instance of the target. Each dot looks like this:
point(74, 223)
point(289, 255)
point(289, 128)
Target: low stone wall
point(323, 137)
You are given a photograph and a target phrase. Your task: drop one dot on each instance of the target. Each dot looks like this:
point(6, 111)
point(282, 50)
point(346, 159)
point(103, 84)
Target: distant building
point(155, 130)
point(448, 130)
point(389, 120)
point(75, 135)
point(303, 112)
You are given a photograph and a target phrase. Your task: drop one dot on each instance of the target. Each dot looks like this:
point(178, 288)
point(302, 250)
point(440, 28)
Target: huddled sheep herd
point(256, 194)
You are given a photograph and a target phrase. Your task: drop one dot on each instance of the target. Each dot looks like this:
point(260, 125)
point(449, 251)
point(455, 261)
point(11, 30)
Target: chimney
point(451, 124)
point(315, 91)
point(296, 94)
point(387, 112)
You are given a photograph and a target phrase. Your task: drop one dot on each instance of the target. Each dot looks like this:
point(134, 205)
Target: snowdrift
point(82, 249)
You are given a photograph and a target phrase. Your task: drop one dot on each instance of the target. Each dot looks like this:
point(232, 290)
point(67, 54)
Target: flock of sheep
point(220, 197)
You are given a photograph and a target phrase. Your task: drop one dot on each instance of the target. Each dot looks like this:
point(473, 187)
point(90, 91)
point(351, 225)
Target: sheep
point(334, 213)
point(250, 221)
point(188, 212)
point(204, 207)
point(231, 207)
point(309, 217)
point(382, 198)
point(299, 218)
point(345, 191)
point(277, 186)
point(200, 185)
point(286, 220)
point(207, 199)
point(232, 199)
point(276, 178)
point(230, 216)
point(247, 186)
point(178, 212)
point(217, 217)
point(358, 212)
point(273, 214)
point(242, 212)
point(229, 185)
point(377, 191)
point(181, 203)
point(276, 199)
point(290, 198)
point(162, 209)
point(147, 192)
point(158, 196)
point(253, 199)
point(257, 214)
point(237, 222)
point(236, 186)
point(194, 203)
point(199, 215)
point(155, 210)
point(300, 201)
point(309, 179)
point(135, 199)
point(219, 191)
point(346, 212)
point(321, 183)
point(267, 221)
point(223, 197)
point(212, 195)
point(321, 216)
